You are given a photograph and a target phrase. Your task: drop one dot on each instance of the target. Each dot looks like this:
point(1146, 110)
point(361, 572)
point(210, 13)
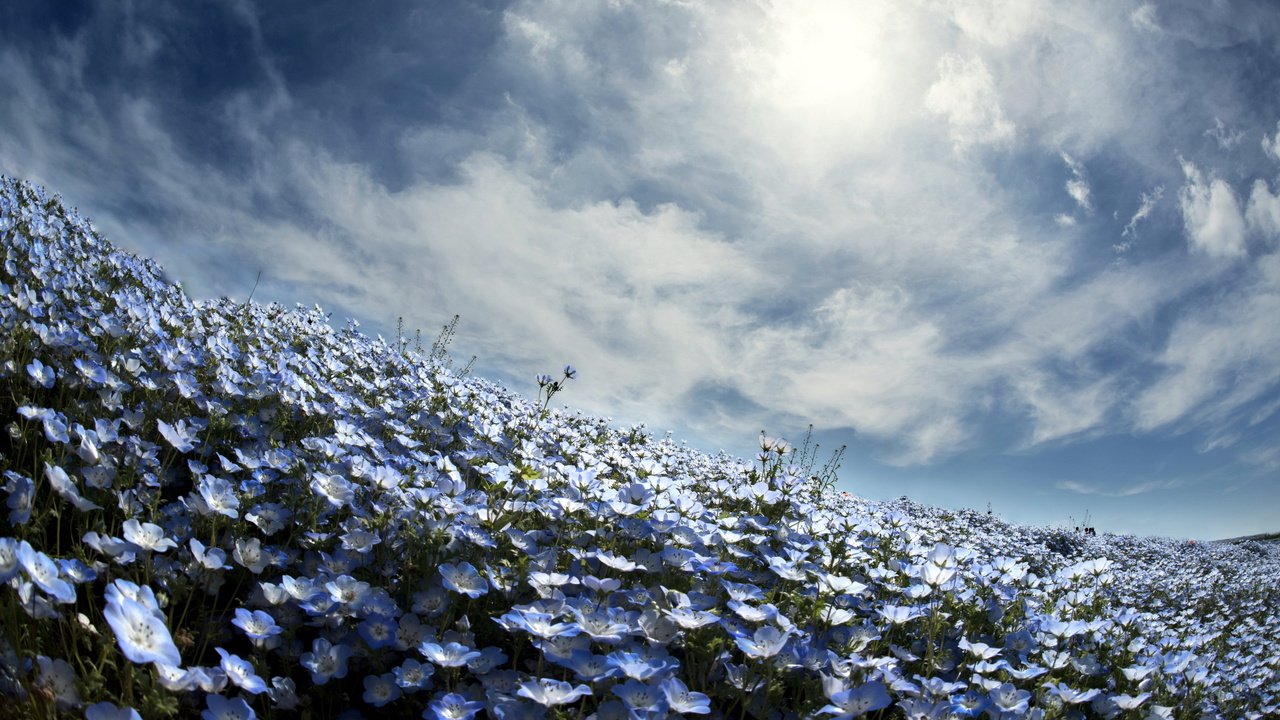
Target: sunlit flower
point(139, 628)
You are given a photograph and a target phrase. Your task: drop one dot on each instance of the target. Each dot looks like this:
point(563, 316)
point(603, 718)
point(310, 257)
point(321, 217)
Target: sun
point(825, 60)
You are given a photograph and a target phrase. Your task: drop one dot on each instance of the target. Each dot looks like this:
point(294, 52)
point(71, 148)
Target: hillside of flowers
point(232, 510)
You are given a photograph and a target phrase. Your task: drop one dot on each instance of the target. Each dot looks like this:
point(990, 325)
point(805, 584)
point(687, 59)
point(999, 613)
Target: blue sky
point(1009, 252)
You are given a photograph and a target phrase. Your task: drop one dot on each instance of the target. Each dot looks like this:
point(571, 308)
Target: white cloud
point(1211, 215)
point(1077, 187)
point(965, 94)
point(1220, 358)
point(1141, 488)
point(997, 22)
point(1148, 203)
point(1225, 137)
point(1263, 211)
point(1271, 144)
point(1144, 18)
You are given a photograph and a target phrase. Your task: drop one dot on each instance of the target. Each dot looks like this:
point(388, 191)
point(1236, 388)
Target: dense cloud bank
point(237, 510)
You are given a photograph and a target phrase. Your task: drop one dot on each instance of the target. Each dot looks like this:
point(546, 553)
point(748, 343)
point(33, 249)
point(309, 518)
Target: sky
point(1015, 254)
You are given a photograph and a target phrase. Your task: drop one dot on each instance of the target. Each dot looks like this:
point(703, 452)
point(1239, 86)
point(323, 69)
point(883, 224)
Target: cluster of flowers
point(235, 510)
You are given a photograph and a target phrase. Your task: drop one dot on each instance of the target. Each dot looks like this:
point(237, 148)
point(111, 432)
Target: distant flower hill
point(232, 510)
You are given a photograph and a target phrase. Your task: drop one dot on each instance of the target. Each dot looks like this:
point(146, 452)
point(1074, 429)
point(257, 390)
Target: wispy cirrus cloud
point(1141, 488)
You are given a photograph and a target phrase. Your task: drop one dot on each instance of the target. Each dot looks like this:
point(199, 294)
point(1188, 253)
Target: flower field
point(230, 510)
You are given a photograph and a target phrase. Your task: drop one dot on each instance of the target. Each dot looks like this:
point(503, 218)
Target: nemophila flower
point(221, 708)
point(65, 487)
point(589, 667)
point(1070, 695)
point(539, 624)
point(337, 490)
point(452, 706)
point(283, 693)
point(899, 614)
point(240, 672)
point(43, 571)
point(450, 654)
point(219, 496)
point(258, 625)
point(609, 625)
point(249, 554)
point(9, 564)
point(378, 631)
point(689, 619)
point(21, 491)
point(110, 711)
point(490, 658)
point(682, 700)
point(1130, 702)
point(359, 541)
point(640, 698)
point(325, 660)
point(549, 692)
point(413, 675)
point(58, 677)
point(766, 642)
point(42, 375)
point(381, 689)
point(858, 701)
point(750, 613)
point(641, 666)
point(76, 571)
point(270, 517)
point(347, 590)
point(213, 558)
point(148, 537)
point(463, 578)
point(300, 589)
point(139, 625)
point(616, 562)
point(1010, 699)
point(180, 435)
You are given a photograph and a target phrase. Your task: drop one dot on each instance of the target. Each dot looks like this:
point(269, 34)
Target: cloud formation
point(1215, 224)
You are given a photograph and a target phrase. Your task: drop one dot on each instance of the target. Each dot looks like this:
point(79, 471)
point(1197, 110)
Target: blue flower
point(463, 578)
point(41, 374)
point(221, 708)
point(219, 496)
point(110, 711)
point(413, 675)
point(452, 706)
point(381, 689)
point(378, 631)
point(64, 486)
point(148, 537)
point(325, 661)
point(9, 564)
point(21, 493)
point(640, 698)
point(258, 625)
point(139, 628)
point(549, 692)
point(180, 435)
point(680, 699)
point(240, 672)
point(857, 701)
point(43, 571)
point(450, 654)
point(766, 642)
